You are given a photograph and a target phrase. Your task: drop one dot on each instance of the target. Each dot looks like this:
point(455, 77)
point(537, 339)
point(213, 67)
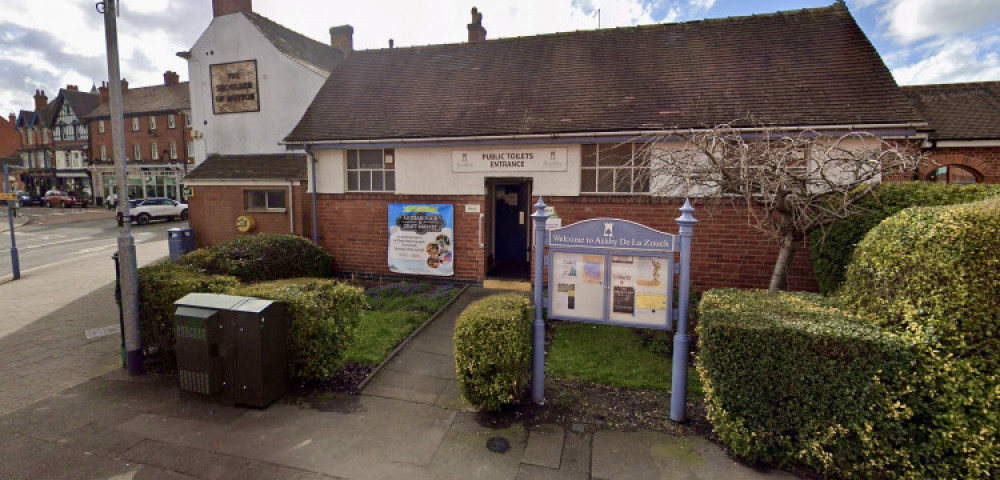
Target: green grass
point(612, 356)
point(396, 311)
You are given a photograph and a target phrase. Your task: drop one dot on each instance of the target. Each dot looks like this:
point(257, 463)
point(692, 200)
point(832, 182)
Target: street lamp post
point(15, 263)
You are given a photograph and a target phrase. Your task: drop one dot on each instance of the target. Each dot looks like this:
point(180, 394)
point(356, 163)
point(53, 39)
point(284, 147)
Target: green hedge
point(493, 350)
point(832, 247)
point(262, 257)
point(160, 285)
point(790, 379)
point(325, 316)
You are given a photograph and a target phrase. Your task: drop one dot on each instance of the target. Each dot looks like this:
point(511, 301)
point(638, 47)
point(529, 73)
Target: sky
point(48, 44)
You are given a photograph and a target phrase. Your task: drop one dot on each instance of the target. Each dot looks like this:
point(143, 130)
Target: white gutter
point(625, 133)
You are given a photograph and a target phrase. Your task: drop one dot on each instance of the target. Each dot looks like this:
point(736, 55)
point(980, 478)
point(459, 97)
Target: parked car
point(59, 198)
point(145, 210)
point(29, 199)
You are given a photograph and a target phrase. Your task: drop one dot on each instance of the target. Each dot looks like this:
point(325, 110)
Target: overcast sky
point(47, 44)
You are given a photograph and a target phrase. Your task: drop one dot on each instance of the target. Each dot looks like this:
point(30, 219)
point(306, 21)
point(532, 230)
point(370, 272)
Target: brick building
point(964, 141)
point(158, 142)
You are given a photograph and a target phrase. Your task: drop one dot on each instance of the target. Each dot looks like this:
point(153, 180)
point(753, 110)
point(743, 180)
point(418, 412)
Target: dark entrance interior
point(509, 226)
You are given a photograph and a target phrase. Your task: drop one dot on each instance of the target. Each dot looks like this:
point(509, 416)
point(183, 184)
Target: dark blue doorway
point(511, 220)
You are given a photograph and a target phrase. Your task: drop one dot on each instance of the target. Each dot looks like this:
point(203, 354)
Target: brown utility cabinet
point(231, 347)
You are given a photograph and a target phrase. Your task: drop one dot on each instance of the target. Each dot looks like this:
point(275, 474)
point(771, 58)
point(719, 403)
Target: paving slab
point(575, 463)
point(436, 344)
point(463, 453)
point(654, 455)
point(208, 465)
point(544, 448)
point(423, 363)
point(407, 386)
point(451, 398)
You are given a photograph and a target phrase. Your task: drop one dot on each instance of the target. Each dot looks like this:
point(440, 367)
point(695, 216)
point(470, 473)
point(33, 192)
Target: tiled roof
point(296, 45)
point(279, 166)
point(82, 103)
point(959, 111)
point(809, 67)
point(158, 98)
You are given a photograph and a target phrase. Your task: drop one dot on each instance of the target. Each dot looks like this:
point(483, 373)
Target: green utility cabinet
point(232, 347)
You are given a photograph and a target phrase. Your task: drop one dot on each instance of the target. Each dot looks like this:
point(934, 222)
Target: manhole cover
point(498, 445)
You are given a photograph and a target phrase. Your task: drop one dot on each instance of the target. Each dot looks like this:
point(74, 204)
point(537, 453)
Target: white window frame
point(155, 153)
point(135, 124)
point(260, 200)
point(173, 150)
point(152, 123)
point(190, 148)
point(355, 172)
point(617, 171)
point(171, 121)
point(137, 151)
point(104, 153)
point(100, 126)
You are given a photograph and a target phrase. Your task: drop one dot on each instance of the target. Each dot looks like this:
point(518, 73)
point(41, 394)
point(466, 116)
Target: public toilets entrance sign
point(617, 272)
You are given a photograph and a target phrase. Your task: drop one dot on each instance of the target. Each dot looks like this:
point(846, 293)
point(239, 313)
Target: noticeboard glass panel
point(640, 291)
point(577, 288)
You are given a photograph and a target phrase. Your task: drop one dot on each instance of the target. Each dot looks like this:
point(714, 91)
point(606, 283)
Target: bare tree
point(792, 182)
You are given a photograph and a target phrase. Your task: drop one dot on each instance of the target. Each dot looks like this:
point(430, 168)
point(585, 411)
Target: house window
point(82, 131)
point(273, 200)
point(152, 123)
point(104, 153)
point(955, 174)
point(190, 148)
point(187, 120)
point(171, 121)
point(30, 135)
point(614, 168)
point(137, 151)
point(100, 126)
point(173, 150)
point(371, 170)
point(135, 124)
point(57, 133)
point(155, 154)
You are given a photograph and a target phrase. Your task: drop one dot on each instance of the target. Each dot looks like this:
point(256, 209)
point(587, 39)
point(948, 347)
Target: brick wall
point(985, 160)
point(213, 211)
point(144, 137)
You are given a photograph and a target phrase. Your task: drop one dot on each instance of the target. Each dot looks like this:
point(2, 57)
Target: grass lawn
point(612, 356)
point(396, 311)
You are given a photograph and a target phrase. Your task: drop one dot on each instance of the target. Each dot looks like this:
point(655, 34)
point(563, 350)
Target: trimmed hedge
point(160, 285)
point(325, 316)
point(790, 379)
point(493, 350)
point(262, 257)
point(934, 271)
point(832, 247)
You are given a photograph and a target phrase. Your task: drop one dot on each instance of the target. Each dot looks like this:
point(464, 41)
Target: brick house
point(157, 139)
point(964, 141)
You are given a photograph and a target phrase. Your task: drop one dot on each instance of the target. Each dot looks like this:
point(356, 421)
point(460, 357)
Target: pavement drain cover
point(498, 445)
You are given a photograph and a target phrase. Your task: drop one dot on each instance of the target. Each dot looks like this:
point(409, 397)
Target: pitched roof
point(158, 98)
point(279, 166)
point(296, 45)
point(808, 67)
point(82, 103)
point(959, 111)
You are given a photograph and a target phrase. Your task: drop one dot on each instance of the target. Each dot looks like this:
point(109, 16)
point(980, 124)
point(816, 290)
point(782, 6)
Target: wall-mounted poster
point(421, 239)
point(234, 87)
point(639, 287)
point(579, 285)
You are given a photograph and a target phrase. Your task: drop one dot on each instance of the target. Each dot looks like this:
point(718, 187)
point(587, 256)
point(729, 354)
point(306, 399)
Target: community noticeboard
point(421, 239)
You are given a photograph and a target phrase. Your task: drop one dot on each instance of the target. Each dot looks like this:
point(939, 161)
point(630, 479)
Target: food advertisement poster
point(579, 285)
point(421, 239)
point(639, 290)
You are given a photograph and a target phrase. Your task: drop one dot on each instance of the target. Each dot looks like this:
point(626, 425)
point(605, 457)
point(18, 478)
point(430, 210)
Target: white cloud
point(958, 61)
point(909, 21)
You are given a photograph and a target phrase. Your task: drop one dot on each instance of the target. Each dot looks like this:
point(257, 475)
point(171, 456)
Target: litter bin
point(179, 242)
point(232, 347)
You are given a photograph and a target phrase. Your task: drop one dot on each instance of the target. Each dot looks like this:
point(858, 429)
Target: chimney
point(225, 7)
point(103, 92)
point(40, 99)
point(12, 119)
point(476, 31)
point(124, 86)
point(171, 78)
point(342, 38)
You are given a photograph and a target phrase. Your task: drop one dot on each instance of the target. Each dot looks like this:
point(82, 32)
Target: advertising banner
point(421, 239)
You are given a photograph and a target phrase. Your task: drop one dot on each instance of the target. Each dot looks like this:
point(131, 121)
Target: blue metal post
point(538, 326)
point(15, 263)
point(678, 387)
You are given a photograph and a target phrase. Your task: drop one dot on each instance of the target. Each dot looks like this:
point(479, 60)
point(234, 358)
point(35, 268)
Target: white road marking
point(102, 331)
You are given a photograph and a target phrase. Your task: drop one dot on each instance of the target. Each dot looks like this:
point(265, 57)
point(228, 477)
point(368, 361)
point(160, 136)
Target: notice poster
point(421, 239)
point(639, 290)
point(577, 285)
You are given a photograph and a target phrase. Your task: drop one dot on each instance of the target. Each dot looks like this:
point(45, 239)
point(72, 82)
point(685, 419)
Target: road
point(58, 237)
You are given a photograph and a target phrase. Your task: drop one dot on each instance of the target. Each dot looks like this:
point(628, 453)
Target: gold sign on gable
point(234, 87)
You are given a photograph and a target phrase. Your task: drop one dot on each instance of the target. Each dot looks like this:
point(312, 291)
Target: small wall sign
point(234, 87)
point(510, 160)
point(245, 223)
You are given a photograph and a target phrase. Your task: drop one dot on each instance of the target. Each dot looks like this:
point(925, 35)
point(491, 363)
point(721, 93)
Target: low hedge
point(790, 379)
point(160, 285)
point(325, 316)
point(934, 271)
point(832, 247)
point(262, 257)
point(493, 350)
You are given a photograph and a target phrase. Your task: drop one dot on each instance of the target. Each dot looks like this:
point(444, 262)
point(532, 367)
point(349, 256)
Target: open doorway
point(509, 226)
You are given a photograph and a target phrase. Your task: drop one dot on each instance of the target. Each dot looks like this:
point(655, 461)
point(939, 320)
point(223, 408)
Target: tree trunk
point(779, 277)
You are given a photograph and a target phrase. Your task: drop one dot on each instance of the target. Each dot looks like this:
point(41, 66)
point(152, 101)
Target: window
point(137, 151)
point(614, 168)
point(155, 154)
point(100, 126)
point(173, 150)
point(104, 153)
point(955, 174)
point(135, 124)
point(265, 199)
point(371, 171)
point(190, 148)
point(187, 120)
point(82, 131)
point(171, 121)
point(57, 133)
point(152, 123)
point(30, 135)
point(45, 135)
